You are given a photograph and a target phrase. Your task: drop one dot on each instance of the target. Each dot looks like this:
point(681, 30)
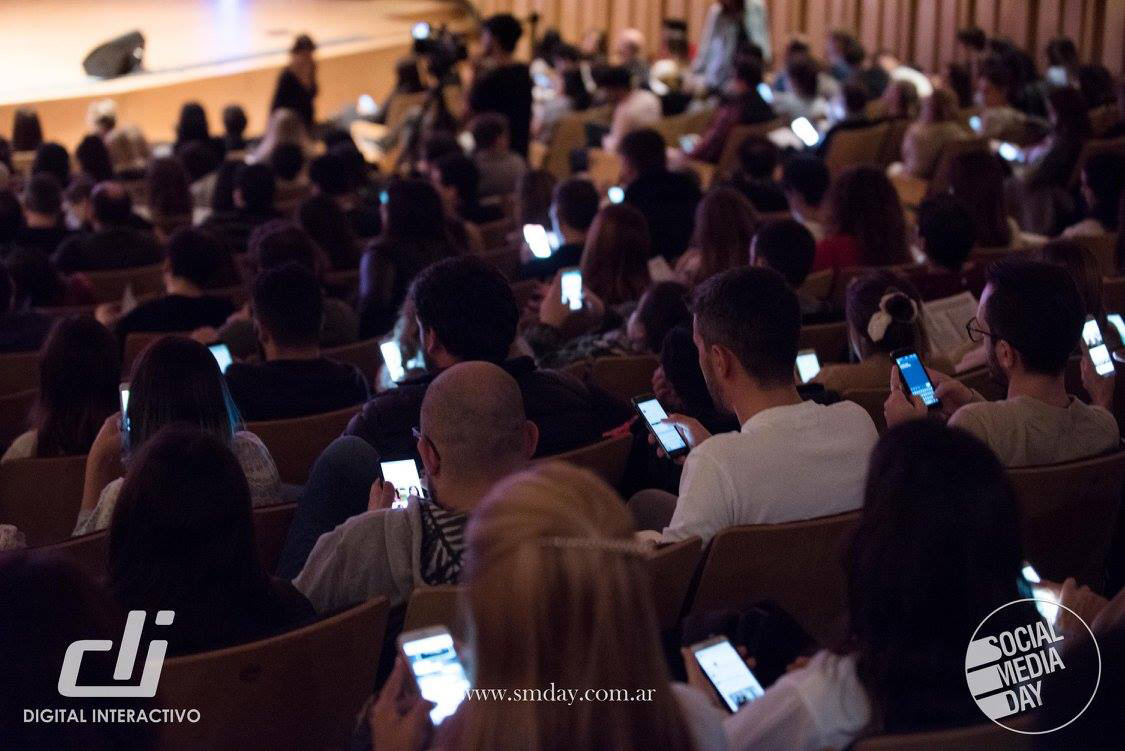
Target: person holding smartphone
point(1029, 321)
point(574, 204)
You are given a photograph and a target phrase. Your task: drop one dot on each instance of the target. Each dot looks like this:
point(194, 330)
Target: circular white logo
point(1014, 654)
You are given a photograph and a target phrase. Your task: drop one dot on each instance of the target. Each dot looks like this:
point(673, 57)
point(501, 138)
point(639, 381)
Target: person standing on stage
point(296, 86)
point(730, 26)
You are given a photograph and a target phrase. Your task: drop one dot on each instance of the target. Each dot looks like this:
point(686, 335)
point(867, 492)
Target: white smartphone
point(538, 240)
point(123, 394)
point(571, 284)
point(1118, 323)
point(808, 365)
point(1046, 601)
point(221, 353)
point(392, 358)
point(765, 92)
point(654, 415)
point(1096, 347)
point(727, 672)
point(438, 672)
point(403, 474)
point(976, 123)
point(689, 142)
point(806, 131)
point(616, 194)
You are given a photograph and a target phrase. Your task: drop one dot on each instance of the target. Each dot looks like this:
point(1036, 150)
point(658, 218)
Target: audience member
point(295, 379)
point(900, 101)
point(633, 108)
point(21, 330)
point(573, 208)
point(927, 138)
point(849, 113)
point(976, 179)
point(805, 181)
point(341, 173)
point(787, 247)
point(176, 380)
point(254, 189)
point(946, 236)
point(457, 179)
point(667, 199)
point(725, 222)
point(936, 551)
point(115, 242)
point(43, 229)
point(804, 96)
point(1086, 271)
point(52, 158)
point(1029, 320)
point(284, 127)
point(866, 225)
point(1103, 180)
point(413, 238)
point(746, 326)
point(884, 314)
point(320, 216)
point(500, 168)
point(79, 373)
point(38, 284)
point(27, 133)
point(629, 50)
point(758, 158)
point(182, 539)
point(501, 84)
point(742, 105)
point(614, 260)
point(730, 27)
point(168, 189)
point(93, 159)
point(234, 128)
point(998, 118)
point(472, 434)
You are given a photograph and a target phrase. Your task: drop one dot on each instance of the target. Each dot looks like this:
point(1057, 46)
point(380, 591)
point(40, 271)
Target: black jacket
point(110, 248)
point(668, 200)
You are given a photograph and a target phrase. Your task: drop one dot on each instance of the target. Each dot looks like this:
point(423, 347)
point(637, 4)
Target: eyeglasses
point(419, 436)
point(975, 332)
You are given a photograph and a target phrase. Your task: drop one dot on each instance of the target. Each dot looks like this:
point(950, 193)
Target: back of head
point(758, 156)
point(79, 372)
point(181, 534)
point(940, 106)
point(280, 241)
point(1071, 116)
point(662, 308)
point(256, 184)
point(724, 225)
point(576, 203)
point(615, 260)
point(32, 279)
point(863, 204)
point(111, 205)
point(787, 247)
point(487, 129)
point(802, 72)
point(748, 71)
point(1083, 267)
point(414, 212)
point(976, 178)
point(551, 568)
point(996, 73)
point(93, 158)
point(289, 305)
point(469, 306)
point(175, 380)
point(644, 151)
point(168, 187)
point(196, 256)
point(937, 549)
point(972, 37)
point(884, 313)
point(807, 177)
point(534, 192)
point(27, 133)
point(505, 29)
point(1037, 309)
point(946, 227)
point(287, 160)
point(192, 125)
point(198, 159)
point(473, 414)
point(234, 119)
point(43, 195)
point(1062, 51)
point(52, 158)
point(754, 314)
point(855, 98)
point(901, 99)
point(459, 172)
point(1096, 84)
point(320, 216)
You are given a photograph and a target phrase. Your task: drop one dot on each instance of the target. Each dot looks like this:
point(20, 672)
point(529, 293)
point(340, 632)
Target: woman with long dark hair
point(175, 380)
point(976, 179)
point(182, 539)
point(615, 260)
point(866, 224)
point(327, 225)
point(79, 372)
point(725, 222)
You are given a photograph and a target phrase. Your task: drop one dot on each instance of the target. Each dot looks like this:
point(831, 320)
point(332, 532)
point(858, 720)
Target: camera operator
point(500, 84)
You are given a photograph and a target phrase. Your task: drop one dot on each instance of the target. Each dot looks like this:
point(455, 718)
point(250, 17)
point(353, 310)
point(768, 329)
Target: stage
point(215, 52)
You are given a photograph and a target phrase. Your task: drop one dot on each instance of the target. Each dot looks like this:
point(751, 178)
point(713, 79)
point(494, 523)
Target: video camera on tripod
point(441, 48)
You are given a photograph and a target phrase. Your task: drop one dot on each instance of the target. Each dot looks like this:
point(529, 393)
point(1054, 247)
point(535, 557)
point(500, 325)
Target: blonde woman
point(285, 127)
point(927, 137)
point(557, 593)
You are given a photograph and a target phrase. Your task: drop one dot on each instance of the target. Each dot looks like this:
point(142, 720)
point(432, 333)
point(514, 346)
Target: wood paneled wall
point(922, 31)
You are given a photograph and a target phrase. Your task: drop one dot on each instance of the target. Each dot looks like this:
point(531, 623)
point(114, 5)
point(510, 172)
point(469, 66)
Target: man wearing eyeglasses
point(1029, 322)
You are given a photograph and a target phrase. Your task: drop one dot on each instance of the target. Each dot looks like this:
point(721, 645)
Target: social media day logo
point(1007, 667)
point(126, 662)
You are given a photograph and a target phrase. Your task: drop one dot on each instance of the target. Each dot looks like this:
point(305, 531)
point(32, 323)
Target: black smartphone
point(652, 412)
point(915, 378)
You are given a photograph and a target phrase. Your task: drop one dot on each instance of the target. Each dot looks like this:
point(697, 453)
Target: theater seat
point(295, 444)
point(851, 148)
point(109, 286)
point(42, 497)
point(297, 691)
point(14, 410)
point(433, 606)
point(728, 160)
point(605, 458)
point(830, 340)
point(136, 343)
point(989, 736)
point(19, 371)
point(89, 553)
point(796, 565)
point(364, 354)
point(623, 377)
point(671, 568)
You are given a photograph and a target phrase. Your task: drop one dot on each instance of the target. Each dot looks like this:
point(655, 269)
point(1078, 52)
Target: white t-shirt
point(787, 463)
point(822, 706)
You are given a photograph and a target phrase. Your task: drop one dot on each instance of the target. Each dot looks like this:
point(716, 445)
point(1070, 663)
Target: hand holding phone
point(914, 377)
point(727, 673)
point(123, 395)
point(806, 131)
point(392, 358)
point(404, 476)
point(537, 239)
point(1096, 348)
point(437, 670)
point(571, 284)
point(808, 365)
point(667, 434)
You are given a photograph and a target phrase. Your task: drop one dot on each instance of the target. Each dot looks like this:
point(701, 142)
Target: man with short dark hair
point(805, 182)
point(254, 190)
point(758, 158)
point(294, 379)
point(667, 199)
point(787, 247)
point(43, 230)
point(852, 115)
point(115, 242)
point(998, 118)
point(742, 105)
point(946, 235)
point(500, 167)
point(194, 259)
point(501, 84)
point(1030, 322)
point(792, 459)
point(466, 311)
point(574, 205)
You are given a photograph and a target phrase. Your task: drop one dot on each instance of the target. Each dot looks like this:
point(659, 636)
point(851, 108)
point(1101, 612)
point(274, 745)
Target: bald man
point(473, 433)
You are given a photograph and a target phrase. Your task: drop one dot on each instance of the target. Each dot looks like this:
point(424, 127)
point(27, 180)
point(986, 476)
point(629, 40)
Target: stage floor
point(189, 41)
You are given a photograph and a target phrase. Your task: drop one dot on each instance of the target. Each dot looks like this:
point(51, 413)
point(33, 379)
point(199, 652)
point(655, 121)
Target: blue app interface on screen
point(916, 379)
